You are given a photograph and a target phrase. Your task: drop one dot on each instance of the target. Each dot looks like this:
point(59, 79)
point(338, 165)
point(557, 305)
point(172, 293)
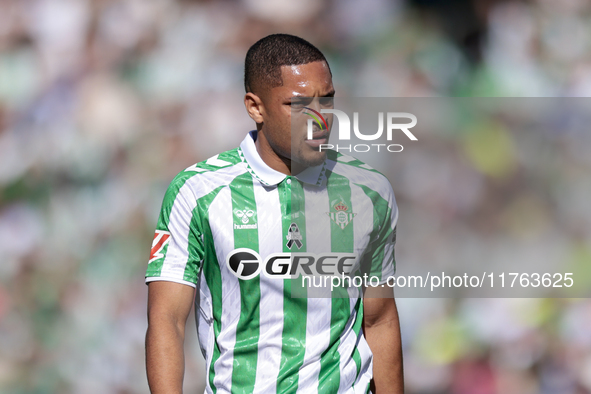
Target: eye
point(300, 102)
point(326, 102)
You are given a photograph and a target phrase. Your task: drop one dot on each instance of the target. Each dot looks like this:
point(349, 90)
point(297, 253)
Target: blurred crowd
point(102, 102)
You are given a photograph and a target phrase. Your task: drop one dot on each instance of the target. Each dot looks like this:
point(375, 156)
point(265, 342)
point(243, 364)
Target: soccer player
point(227, 237)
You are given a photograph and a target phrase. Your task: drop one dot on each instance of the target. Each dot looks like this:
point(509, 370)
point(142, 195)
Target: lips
point(318, 138)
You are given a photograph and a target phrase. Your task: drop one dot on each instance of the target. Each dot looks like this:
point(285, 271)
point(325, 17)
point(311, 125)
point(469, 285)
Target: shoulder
point(201, 178)
point(359, 173)
point(346, 163)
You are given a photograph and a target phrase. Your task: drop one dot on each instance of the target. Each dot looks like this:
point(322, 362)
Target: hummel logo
point(244, 215)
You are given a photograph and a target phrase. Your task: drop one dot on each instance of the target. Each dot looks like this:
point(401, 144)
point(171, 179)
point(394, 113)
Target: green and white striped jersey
point(237, 230)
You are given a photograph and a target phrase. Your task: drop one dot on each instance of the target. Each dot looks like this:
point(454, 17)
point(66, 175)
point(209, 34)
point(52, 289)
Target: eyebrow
point(331, 93)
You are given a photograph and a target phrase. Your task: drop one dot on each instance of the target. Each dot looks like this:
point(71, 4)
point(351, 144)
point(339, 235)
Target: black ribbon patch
point(294, 236)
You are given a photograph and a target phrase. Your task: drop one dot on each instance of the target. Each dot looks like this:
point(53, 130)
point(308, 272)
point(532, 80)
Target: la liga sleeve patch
point(161, 239)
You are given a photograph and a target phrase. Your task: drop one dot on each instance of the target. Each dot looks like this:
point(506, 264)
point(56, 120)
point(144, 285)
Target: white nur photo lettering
point(344, 133)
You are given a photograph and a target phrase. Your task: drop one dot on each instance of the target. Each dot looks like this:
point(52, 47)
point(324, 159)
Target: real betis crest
point(340, 215)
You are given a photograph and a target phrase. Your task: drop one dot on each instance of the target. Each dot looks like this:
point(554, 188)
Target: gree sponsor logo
point(246, 264)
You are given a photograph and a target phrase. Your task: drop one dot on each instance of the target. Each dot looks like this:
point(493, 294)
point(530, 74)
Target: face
point(283, 109)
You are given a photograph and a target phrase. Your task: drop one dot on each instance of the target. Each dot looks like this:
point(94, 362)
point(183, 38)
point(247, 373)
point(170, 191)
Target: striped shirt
point(246, 236)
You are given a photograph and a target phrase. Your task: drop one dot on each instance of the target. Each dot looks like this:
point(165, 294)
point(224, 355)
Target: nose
point(315, 104)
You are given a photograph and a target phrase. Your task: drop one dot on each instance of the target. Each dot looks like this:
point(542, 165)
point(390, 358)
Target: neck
point(270, 157)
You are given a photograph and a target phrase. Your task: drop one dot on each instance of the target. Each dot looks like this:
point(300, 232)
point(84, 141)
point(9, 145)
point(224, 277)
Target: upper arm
point(170, 301)
point(379, 306)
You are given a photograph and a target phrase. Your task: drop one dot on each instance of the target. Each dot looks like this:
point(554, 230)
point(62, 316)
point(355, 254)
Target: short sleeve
point(379, 258)
point(177, 248)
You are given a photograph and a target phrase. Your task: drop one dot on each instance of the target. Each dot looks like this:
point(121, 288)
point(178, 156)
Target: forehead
point(306, 80)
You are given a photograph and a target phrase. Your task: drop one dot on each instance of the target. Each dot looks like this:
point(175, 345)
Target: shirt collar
point(268, 176)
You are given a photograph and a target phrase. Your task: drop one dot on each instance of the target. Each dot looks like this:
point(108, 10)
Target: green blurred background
point(102, 102)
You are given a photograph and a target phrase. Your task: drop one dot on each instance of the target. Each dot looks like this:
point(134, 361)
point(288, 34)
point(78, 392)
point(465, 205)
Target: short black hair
point(262, 66)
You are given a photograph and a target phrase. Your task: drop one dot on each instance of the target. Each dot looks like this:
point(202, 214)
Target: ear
point(254, 107)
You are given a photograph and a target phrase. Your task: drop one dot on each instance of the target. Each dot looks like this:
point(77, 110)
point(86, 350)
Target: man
point(227, 222)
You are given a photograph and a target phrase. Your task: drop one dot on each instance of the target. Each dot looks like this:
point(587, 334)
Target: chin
point(311, 159)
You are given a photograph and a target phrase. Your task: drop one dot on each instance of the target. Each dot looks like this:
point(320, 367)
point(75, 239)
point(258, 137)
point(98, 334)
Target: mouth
point(319, 137)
